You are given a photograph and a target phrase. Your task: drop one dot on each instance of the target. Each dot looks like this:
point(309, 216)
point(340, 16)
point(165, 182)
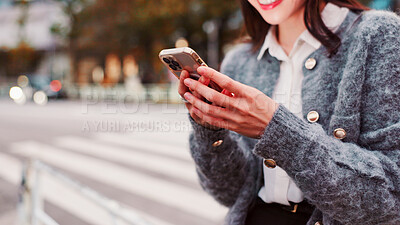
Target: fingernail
point(187, 81)
point(201, 69)
point(187, 96)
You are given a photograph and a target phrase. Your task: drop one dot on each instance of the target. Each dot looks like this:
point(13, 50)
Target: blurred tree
point(142, 28)
point(71, 32)
point(21, 60)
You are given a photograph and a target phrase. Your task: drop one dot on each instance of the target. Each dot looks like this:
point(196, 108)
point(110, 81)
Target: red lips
point(270, 6)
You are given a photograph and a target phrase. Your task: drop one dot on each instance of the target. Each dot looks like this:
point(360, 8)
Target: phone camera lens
point(175, 63)
point(166, 60)
point(173, 67)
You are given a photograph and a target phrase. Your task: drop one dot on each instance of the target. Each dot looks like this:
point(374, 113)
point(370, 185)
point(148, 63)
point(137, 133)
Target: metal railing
point(31, 198)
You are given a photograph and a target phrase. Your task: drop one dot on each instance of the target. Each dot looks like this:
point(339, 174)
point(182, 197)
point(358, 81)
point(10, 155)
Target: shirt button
point(339, 133)
point(313, 116)
point(310, 63)
point(217, 143)
point(270, 163)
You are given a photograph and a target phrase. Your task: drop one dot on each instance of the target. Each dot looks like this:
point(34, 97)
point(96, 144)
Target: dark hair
point(257, 27)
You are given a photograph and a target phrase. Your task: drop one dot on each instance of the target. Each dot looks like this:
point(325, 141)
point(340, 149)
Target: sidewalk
point(9, 218)
point(8, 203)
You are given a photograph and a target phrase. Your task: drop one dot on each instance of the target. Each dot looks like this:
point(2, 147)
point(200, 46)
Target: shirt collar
point(331, 15)
point(271, 43)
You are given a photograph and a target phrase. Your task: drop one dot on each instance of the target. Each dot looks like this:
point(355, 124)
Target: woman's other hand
point(247, 112)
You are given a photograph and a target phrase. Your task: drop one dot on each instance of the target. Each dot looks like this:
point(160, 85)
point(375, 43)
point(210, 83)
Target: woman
point(307, 130)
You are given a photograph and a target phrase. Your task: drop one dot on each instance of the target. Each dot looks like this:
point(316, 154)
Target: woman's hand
point(247, 112)
point(182, 89)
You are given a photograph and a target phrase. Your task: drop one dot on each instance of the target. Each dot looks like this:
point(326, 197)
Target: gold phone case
point(178, 59)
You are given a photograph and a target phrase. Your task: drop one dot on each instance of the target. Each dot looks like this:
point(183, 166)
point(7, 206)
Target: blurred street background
point(136, 154)
point(82, 90)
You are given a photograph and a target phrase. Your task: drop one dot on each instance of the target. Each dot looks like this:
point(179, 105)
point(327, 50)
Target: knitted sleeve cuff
point(208, 137)
point(286, 138)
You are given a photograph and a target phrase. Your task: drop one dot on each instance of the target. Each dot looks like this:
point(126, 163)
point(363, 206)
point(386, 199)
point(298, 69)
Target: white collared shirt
point(278, 186)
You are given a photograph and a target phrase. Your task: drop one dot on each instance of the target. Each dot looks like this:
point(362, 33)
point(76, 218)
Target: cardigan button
point(339, 133)
point(270, 163)
point(313, 116)
point(310, 63)
point(217, 143)
point(318, 223)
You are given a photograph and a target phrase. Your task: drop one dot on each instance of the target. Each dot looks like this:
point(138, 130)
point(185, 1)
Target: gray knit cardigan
point(351, 181)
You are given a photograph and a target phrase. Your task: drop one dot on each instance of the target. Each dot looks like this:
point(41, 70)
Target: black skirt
point(262, 213)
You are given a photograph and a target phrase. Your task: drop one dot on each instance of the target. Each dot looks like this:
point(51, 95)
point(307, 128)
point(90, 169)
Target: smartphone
point(178, 59)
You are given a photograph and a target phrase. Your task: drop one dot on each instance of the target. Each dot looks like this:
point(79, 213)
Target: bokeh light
point(55, 85)
point(16, 93)
point(98, 74)
point(113, 68)
point(181, 42)
point(40, 98)
point(130, 67)
point(23, 81)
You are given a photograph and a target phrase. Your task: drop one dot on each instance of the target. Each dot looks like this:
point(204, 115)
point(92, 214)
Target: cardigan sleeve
point(350, 182)
point(225, 169)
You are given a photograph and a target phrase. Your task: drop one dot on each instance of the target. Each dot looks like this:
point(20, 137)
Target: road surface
point(136, 154)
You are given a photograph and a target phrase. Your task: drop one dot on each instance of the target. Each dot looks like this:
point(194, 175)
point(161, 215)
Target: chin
point(272, 20)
